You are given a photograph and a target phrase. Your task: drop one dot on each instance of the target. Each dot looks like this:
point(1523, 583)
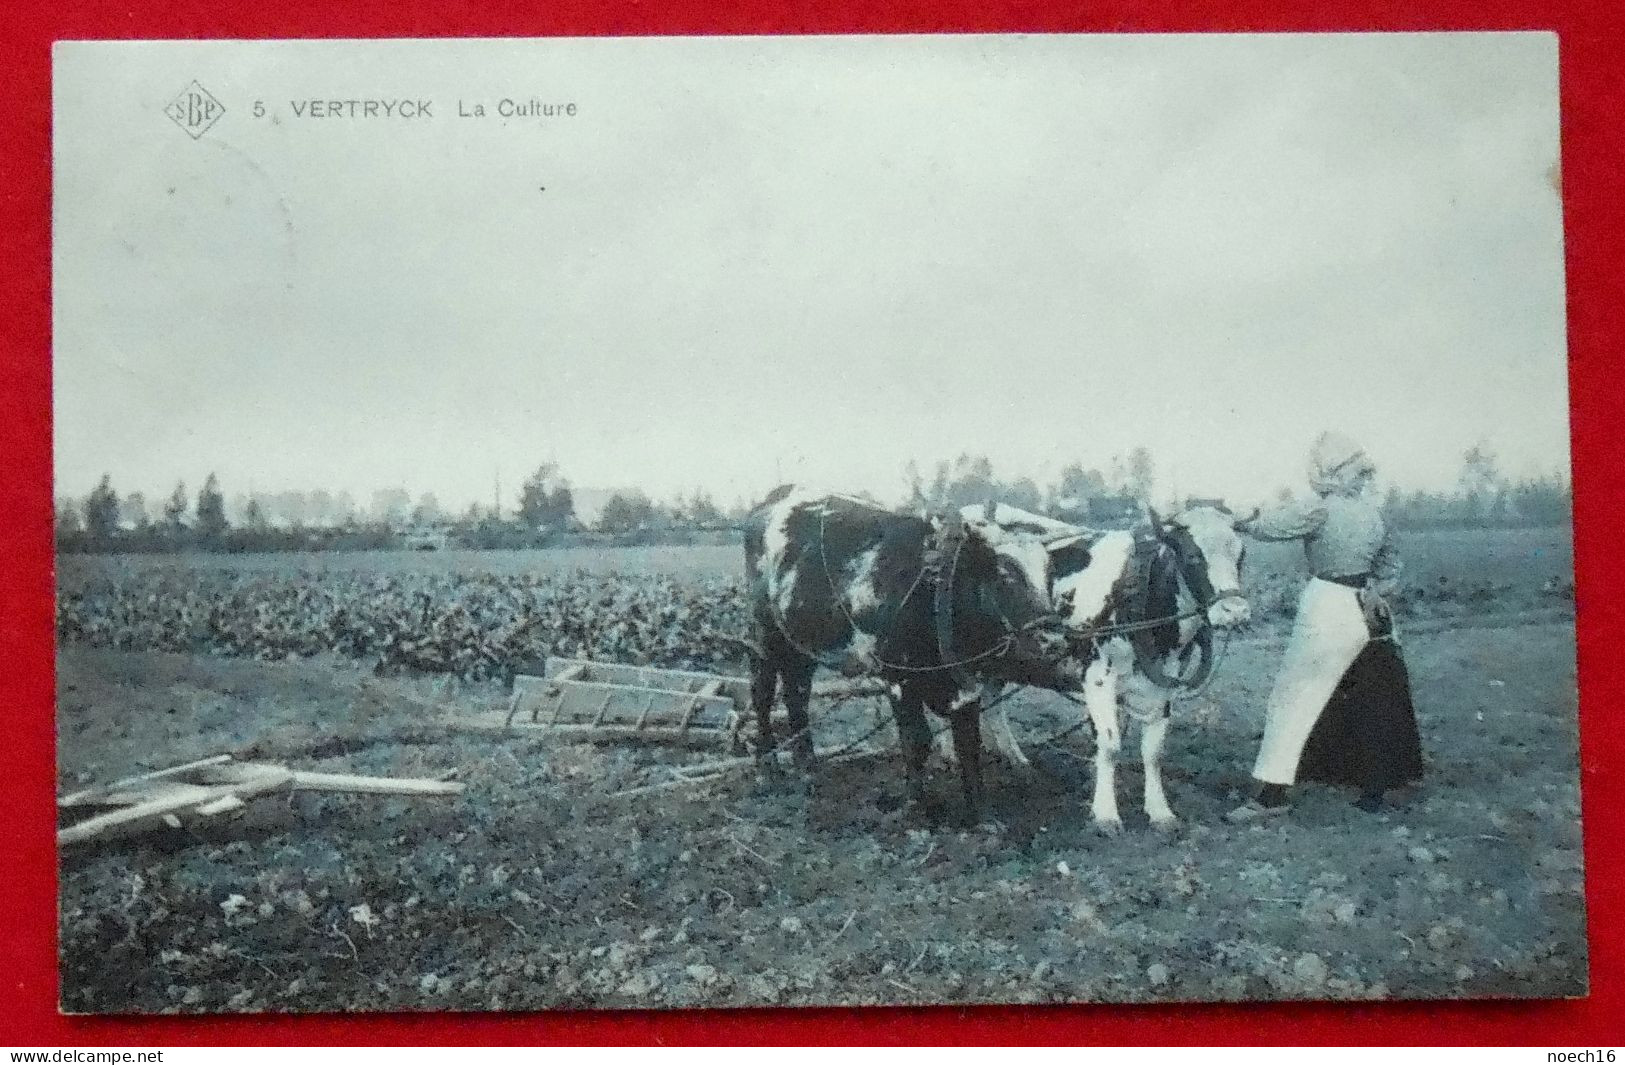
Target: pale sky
point(810, 259)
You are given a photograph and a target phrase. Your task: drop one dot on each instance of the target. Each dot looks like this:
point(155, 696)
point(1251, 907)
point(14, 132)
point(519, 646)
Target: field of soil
point(539, 887)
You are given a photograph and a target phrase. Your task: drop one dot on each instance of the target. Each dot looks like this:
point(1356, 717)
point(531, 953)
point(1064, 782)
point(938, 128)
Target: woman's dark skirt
point(1366, 737)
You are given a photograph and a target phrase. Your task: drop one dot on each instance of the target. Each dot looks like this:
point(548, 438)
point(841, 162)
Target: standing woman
point(1341, 707)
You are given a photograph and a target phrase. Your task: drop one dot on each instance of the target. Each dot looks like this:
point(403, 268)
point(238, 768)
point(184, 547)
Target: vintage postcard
point(812, 521)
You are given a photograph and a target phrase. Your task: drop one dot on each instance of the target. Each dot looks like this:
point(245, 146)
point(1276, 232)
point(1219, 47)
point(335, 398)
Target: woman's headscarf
point(1336, 464)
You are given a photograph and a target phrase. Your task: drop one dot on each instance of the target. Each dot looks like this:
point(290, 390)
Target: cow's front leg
point(965, 716)
point(764, 688)
point(797, 678)
point(914, 736)
point(1100, 698)
point(1156, 800)
point(1150, 704)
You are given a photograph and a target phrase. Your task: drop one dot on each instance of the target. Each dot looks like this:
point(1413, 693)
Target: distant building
point(426, 538)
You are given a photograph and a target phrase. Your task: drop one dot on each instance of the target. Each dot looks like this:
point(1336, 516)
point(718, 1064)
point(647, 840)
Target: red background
point(1593, 105)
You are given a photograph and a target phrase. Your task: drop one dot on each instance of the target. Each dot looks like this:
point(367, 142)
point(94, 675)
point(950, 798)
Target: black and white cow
point(1102, 581)
point(929, 606)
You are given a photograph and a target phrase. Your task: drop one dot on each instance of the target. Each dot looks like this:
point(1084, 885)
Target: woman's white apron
point(1329, 635)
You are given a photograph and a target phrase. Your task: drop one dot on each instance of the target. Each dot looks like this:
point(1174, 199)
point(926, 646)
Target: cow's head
point(1210, 553)
point(1023, 558)
point(1003, 594)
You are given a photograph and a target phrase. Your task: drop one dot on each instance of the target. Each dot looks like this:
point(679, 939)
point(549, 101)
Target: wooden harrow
point(583, 700)
point(604, 700)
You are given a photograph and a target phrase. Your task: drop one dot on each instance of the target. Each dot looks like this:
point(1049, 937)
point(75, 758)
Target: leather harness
point(941, 561)
point(1135, 595)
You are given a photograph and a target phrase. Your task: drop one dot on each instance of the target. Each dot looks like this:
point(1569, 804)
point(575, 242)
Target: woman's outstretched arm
point(1286, 521)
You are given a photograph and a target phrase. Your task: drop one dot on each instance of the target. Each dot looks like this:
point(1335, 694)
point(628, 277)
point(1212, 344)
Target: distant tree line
point(105, 521)
point(318, 520)
point(1078, 493)
point(547, 510)
point(1483, 498)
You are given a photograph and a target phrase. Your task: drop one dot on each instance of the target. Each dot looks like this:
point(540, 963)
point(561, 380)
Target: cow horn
point(1242, 523)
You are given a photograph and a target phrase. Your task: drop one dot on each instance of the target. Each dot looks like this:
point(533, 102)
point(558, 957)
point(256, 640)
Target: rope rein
point(1120, 628)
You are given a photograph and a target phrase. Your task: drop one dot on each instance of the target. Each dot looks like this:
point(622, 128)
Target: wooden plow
point(211, 788)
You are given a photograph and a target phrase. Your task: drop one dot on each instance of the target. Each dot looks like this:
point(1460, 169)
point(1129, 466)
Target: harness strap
point(949, 539)
point(1144, 637)
point(1138, 599)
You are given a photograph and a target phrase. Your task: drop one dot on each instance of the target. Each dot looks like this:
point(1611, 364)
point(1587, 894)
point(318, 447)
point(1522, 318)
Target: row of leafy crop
point(476, 627)
point(487, 626)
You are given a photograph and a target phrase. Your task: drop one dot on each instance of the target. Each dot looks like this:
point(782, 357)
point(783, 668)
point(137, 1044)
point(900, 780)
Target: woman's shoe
point(1269, 801)
point(1253, 810)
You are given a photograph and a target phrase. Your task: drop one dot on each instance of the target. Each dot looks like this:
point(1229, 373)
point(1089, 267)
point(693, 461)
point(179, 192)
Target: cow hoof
point(912, 806)
point(1167, 826)
point(1109, 826)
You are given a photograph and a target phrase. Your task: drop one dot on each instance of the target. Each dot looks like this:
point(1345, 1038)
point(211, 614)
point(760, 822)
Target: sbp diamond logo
point(195, 110)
